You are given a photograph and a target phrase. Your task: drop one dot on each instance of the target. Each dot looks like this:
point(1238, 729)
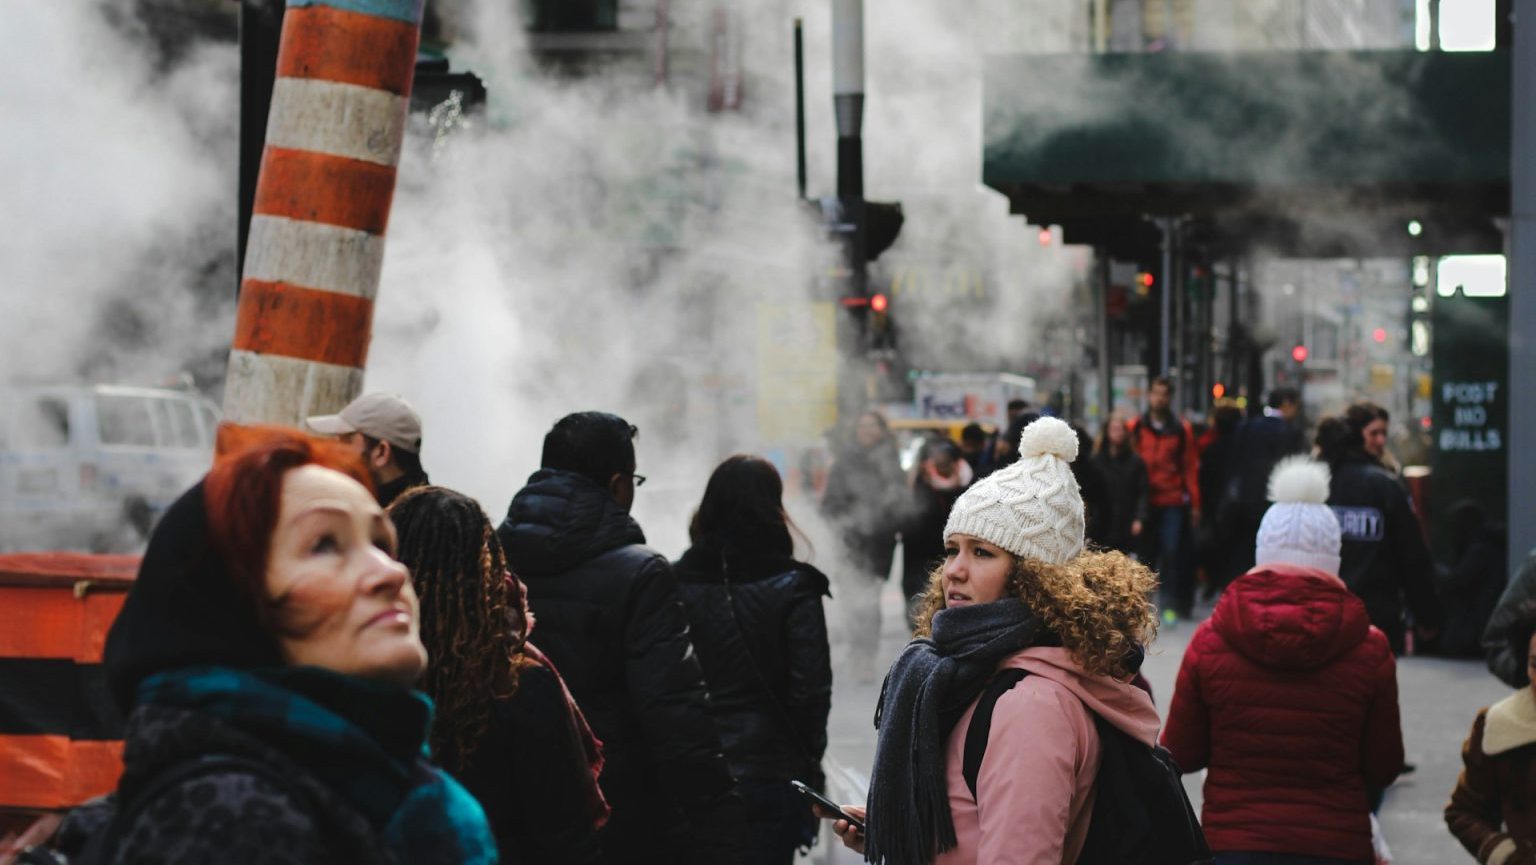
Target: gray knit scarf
point(925, 693)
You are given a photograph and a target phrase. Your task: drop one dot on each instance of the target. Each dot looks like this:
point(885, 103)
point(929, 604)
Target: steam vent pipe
point(848, 94)
point(316, 242)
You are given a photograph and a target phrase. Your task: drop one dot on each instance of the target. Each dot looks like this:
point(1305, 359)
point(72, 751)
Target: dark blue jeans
point(1280, 859)
point(1170, 553)
point(778, 821)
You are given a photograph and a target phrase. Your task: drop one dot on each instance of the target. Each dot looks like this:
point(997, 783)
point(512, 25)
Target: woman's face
point(1116, 432)
point(343, 602)
point(975, 572)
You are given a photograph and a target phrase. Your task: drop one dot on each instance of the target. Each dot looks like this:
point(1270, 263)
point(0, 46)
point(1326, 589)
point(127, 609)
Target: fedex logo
point(959, 408)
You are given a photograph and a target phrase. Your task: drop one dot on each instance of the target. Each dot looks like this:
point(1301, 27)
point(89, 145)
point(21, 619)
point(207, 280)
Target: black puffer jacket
point(610, 619)
point(762, 640)
point(1125, 477)
point(1506, 658)
point(227, 815)
point(1383, 558)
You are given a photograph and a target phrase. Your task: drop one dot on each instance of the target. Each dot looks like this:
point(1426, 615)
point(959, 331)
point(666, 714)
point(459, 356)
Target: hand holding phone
point(828, 805)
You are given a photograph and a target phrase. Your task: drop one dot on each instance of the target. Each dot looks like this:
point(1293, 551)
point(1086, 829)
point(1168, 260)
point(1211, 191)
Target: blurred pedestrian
point(611, 620)
point(1214, 541)
point(506, 726)
point(1017, 591)
point(975, 447)
point(1260, 443)
point(265, 658)
point(1166, 444)
point(386, 432)
point(1370, 421)
point(1005, 449)
point(1471, 584)
point(1383, 558)
point(1492, 811)
point(1505, 659)
point(1125, 478)
point(757, 624)
point(935, 482)
point(1287, 696)
point(863, 501)
point(1093, 486)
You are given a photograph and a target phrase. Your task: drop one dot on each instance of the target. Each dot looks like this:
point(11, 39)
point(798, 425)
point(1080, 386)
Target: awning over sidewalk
point(1266, 145)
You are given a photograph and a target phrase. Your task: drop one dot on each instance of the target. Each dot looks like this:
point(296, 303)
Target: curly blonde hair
point(1096, 603)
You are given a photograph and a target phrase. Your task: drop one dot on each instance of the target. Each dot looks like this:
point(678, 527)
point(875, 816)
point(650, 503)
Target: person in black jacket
point(611, 621)
point(1260, 443)
point(1501, 639)
point(863, 501)
point(505, 726)
point(1383, 559)
point(1473, 581)
point(1125, 481)
point(757, 623)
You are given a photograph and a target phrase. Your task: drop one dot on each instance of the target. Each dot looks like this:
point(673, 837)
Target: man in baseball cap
point(387, 434)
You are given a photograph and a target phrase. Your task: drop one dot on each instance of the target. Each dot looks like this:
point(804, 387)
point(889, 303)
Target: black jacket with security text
point(1383, 558)
point(609, 617)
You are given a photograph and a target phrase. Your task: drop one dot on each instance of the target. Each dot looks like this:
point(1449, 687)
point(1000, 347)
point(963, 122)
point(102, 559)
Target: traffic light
point(879, 303)
point(1144, 283)
point(1299, 353)
point(1218, 390)
point(882, 224)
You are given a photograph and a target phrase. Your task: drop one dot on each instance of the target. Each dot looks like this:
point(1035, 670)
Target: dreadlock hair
point(471, 617)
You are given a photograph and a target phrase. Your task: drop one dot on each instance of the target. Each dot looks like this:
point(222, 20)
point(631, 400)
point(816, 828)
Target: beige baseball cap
point(383, 416)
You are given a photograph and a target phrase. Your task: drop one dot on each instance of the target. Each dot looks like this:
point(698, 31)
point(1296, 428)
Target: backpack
point(1141, 815)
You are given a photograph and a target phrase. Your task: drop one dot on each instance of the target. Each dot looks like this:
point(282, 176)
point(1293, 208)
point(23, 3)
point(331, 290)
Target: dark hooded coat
point(610, 619)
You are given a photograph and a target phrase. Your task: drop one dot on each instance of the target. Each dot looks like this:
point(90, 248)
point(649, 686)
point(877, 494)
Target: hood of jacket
point(1122, 704)
point(1290, 617)
point(705, 563)
point(560, 519)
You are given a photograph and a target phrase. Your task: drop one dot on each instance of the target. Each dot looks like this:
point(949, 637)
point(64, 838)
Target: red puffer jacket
point(1288, 697)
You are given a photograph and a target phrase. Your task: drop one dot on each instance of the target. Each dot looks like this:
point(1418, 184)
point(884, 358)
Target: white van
point(92, 467)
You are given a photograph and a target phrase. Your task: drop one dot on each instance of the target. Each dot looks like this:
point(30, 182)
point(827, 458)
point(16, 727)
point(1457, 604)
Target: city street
point(1438, 699)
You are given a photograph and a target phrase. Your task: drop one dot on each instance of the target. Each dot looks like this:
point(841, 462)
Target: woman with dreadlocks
point(1017, 592)
point(506, 726)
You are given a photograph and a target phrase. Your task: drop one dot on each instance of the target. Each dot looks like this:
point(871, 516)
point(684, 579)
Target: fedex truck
point(978, 396)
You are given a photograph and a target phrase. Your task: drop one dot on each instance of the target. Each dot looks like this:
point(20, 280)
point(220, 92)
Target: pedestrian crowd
point(326, 658)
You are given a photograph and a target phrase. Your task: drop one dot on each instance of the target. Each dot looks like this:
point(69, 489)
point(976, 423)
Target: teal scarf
point(365, 740)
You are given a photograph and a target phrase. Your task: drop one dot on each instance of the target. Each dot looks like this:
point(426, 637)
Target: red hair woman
point(265, 659)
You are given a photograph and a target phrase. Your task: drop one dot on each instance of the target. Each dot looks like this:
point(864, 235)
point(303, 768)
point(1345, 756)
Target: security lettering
point(1360, 524)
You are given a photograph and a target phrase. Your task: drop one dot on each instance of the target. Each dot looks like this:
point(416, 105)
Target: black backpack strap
point(103, 844)
point(980, 728)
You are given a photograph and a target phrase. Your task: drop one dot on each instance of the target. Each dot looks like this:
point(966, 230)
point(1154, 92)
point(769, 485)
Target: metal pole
point(321, 204)
point(1522, 288)
point(800, 107)
point(1434, 24)
point(848, 95)
point(1100, 12)
point(1180, 328)
point(1165, 295)
point(1106, 379)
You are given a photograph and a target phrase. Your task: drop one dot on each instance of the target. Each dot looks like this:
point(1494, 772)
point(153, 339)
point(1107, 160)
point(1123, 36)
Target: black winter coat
point(1125, 483)
point(227, 815)
point(1383, 558)
point(1470, 590)
point(762, 640)
point(1260, 444)
point(922, 533)
point(610, 619)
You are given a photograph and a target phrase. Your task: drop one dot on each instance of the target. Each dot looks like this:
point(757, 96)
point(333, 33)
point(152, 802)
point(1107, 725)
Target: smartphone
point(829, 805)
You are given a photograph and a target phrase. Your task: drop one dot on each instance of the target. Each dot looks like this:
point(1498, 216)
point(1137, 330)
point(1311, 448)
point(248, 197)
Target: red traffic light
point(1379, 334)
point(1299, 354)
point(879, 303)
point(1144, 279)
point(1218, 390)
point(1045, 237)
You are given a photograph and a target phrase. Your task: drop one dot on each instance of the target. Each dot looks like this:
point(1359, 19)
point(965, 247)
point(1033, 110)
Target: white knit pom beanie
point(1299, 528)
point(1032, 508)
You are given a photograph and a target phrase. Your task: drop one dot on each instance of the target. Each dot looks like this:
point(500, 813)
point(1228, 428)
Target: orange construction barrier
point(60, 732)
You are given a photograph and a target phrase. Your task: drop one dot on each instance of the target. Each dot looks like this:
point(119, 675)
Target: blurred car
point(90, 468)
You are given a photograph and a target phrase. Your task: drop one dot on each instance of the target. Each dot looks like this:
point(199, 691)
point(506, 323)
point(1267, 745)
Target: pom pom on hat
point(1299, 528)
point(1032, 508)
point(1048, 435)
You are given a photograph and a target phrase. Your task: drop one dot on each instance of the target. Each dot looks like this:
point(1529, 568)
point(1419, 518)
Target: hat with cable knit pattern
point(1032, 508)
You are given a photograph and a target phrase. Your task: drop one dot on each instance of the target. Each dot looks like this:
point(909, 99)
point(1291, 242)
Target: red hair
point(243, 492)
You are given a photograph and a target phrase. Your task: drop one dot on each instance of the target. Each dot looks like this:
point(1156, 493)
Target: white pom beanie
point(1299, 528)
point(1032, 508)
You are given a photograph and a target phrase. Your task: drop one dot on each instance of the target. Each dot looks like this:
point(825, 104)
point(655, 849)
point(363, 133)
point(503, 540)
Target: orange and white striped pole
point(316, 241)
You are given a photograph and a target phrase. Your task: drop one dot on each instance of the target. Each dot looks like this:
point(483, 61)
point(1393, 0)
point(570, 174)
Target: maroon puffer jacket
point(1288, 697)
